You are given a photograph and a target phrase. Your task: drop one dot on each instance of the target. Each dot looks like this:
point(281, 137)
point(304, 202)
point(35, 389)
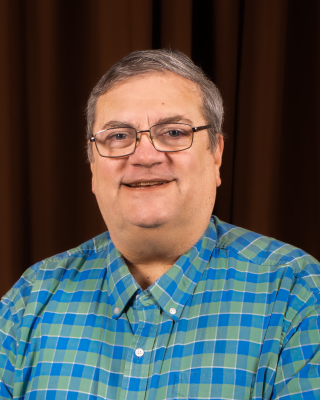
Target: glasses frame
point(138, 138)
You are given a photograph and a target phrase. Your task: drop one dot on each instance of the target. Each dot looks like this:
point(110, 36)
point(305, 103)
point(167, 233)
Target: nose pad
point(148, 133)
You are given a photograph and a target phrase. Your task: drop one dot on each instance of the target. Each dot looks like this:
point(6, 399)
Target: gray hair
point(160, 61)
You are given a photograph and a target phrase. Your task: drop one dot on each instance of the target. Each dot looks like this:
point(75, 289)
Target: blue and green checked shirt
point(237, 317)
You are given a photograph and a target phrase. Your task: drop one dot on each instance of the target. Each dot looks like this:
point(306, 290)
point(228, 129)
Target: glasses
point(122, 141)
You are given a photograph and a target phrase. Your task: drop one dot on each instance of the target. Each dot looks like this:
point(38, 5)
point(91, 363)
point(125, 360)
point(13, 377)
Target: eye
point(174, 133)
point(117, 136)
point(107, 137)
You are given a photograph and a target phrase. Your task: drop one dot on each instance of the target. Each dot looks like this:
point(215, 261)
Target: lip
point(146, 184)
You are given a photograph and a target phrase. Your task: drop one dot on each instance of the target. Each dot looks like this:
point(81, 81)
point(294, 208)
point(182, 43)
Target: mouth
point(145, 185)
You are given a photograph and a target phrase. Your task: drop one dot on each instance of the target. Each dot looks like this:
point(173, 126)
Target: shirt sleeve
point(8, 345)
point(298, 371)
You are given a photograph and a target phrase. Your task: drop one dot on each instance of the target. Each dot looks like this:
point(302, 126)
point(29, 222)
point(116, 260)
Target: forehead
point(150, 97)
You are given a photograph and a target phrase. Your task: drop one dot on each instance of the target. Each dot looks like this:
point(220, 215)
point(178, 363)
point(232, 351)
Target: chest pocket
point(215, 384)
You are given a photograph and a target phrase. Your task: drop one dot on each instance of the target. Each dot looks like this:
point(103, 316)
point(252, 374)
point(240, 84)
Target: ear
point(92, 179)
point(218, 158)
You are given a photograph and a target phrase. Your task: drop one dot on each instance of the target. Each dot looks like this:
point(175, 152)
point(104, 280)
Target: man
point(168, 303)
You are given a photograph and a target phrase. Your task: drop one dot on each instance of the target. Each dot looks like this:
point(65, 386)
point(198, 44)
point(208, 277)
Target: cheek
point(205, 181)
point(201, 169)
point(104, 180)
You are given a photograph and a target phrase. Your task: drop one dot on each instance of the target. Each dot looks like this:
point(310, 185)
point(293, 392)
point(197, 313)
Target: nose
point(145, 153)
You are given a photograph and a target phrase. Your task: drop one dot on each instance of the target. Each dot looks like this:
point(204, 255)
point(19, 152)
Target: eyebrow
point(165, 120)
point(174, 118)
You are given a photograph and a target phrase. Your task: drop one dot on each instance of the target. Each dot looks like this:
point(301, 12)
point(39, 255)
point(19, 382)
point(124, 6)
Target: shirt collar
point(173, 289)
point(121, 284)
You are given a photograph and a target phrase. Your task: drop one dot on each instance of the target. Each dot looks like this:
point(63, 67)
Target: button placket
point(142, 345)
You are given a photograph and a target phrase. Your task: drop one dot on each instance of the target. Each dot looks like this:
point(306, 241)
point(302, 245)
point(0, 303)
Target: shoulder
point(268, 252)
point(44, 276)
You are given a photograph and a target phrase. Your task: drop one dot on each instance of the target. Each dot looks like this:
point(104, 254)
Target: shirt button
point(116, 310)
point(172, 311)
point(139, 352)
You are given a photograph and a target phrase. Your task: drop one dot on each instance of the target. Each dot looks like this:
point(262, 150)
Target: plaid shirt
point(237, 317)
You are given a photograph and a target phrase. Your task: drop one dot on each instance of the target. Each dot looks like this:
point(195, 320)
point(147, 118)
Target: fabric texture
point(236, 317)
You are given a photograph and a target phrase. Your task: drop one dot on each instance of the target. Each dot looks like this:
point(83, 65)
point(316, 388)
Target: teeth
point(146, 184)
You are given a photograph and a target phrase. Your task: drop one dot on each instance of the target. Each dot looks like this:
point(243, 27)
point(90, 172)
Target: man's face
point(187, 179)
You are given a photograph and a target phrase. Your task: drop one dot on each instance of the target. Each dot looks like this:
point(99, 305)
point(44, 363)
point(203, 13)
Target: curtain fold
point(264, 57)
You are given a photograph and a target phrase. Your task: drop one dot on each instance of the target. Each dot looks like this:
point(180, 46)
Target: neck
point(146, 274)
point(151, 252)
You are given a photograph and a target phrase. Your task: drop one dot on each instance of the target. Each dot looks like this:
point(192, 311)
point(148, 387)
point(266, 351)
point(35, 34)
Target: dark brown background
point(264, 55)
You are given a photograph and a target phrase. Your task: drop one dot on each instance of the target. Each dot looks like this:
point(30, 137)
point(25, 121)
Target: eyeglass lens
point(117, 142)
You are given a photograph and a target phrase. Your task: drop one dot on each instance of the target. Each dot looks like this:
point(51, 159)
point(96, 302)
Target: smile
point(139, 185)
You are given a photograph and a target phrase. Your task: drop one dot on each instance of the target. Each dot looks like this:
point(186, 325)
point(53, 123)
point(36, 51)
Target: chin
point(149, 225)
point(147, 218)
point(148, 222)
